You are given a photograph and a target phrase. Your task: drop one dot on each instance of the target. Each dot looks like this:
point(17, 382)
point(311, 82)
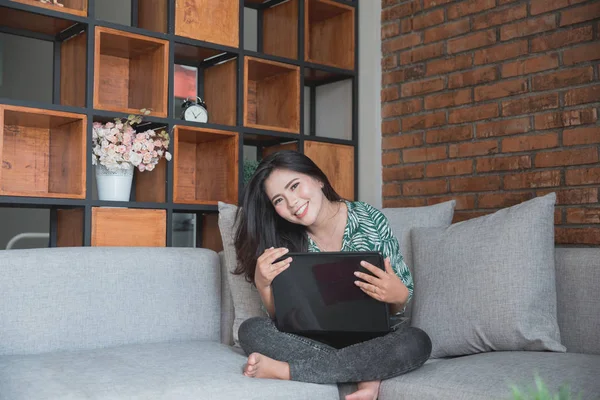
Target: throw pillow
point(488, 283)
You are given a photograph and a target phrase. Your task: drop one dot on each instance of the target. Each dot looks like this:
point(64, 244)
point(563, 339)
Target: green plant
point(541, 392)
point(249, 168)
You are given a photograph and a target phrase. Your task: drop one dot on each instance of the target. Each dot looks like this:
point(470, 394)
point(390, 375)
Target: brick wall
point(493, 102)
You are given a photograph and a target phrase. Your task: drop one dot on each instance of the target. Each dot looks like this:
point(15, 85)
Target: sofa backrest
point(79, 298)
point(578, 298)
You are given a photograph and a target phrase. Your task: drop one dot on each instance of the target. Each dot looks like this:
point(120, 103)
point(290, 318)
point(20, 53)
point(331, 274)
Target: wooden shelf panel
point(272, 95)
point(73, 71)
point(128, 227)
point(150, 186)
point(130, 72)
point(152, 15)
point(69, 227)
point(329, 33)
point(214, 21)
point(220, 84)
point(42, 153)
point(280, 30)
point(74, 7)
point(23, 20)
point(206, 162)
point(211, 235)
point(337, 162)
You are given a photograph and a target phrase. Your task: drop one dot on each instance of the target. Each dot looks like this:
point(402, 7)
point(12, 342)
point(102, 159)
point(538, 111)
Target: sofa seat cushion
point(175, 370)
point(490, 376)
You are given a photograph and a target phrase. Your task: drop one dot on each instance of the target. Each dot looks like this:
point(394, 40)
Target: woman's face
point(296, 197)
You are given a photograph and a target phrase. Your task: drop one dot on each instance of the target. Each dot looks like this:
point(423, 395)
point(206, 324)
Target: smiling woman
point(290, 205)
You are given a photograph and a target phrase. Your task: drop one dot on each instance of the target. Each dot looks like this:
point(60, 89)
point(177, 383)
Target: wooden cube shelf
point(27, 21)
point(129, 227)
point(130, 72)
point(214, 21)
point(69, 227)
point(75, 7)
point(150, 186)
point(329, 33)
point(337, 162)
point(280, 30)
point(73, 70)
point(42, 153)
point(272, 95)
point(206, 166)
point(152, 15)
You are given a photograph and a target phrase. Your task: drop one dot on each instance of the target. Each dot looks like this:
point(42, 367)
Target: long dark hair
point(259, 225)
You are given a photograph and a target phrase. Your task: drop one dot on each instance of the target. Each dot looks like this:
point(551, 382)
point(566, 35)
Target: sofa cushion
point(490, 376)
point(577, 283)
point(177, 370)
point(488, 283)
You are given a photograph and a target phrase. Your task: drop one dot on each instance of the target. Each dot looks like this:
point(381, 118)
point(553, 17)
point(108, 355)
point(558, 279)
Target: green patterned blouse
point(367, 229)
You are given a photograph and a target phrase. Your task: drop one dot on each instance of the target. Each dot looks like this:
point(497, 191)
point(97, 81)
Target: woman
point(290, 206)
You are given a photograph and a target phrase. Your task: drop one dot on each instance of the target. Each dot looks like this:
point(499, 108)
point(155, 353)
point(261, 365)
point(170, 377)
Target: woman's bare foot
point(366, 391)
point(260, 366)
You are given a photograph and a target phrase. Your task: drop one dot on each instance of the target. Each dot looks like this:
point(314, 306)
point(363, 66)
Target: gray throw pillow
point(488, 283)
point(246, 300)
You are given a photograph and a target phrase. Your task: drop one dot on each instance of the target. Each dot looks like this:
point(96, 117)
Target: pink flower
point(142, 167)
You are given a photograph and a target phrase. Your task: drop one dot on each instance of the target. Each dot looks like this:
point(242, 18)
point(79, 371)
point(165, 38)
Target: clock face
point(195, 113)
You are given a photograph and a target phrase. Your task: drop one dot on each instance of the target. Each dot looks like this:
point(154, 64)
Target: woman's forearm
point(266, 295)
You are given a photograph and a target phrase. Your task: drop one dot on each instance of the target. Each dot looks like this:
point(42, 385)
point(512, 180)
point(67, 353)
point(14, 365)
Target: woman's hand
point(266, 271)
point(385, 286)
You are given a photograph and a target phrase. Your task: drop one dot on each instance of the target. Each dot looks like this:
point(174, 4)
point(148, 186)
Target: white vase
point(114, 186)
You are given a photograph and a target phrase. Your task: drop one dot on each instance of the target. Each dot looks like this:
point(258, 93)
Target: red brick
point(474, 113)
point(387, 3)
point(578, 136)
point(528, 180)
point(500, 17)
point(389, 30)
point(528, 27)
point(424, 154)
point(422, 53)
point(448, 99)
point(404, 202)
point(579, 54)
point(583, 215)
point(401, 108)
point(511, 163)
point(583, 176)
point(465, 202)
point(448, 65)
point(390, 158)
point(435, 3)
point(580, 14)
point(402, 75)
point(561, 39)
point(501, 52)
point(423, 121)
point(566, 157)
point(473, 149)
point(503, 128)
point(402, 141)
point(424, 188)
point(504, 2)
point(450, 134)
point(403, 173)
point(389, 62)
point(448, 30)
point(542, 6)
point(573, 196)
point(392, 189)
point(503, 200)
point(400, 11)
point(449, 168)
point(401, 42)
point(389, 94)
point(530, 65)
point(421, 87)
point(566, 118)
point(470, 78)
point(475, 184)
point(589, 94)
point(501, 89)
point(426, 20)
point(390, 127)
point(389, 78)
point(469, 7)
point(530, 104)
point(587, 236)
point(563, 78)
point(460, 216)
point(531, 142)
point(472, 41)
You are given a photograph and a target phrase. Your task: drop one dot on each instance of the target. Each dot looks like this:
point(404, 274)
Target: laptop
point(316, 297)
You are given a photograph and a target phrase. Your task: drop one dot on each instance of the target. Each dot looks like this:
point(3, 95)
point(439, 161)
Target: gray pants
point(398, 352)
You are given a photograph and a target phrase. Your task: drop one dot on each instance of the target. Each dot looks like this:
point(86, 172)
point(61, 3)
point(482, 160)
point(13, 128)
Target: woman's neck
point(327, 220)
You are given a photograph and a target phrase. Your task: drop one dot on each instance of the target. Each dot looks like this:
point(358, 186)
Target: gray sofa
point(156, 323)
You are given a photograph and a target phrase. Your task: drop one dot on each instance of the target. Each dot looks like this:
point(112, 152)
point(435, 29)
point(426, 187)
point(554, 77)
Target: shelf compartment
point(42, 153)
point(205, 170)
point(73, 70)
point(69, 227)
point(272, 95)
point(74, 7)
point(32, 22)
point(130, 72)
point(279, 35)
point(337, 162)
point(329, 33)
point(152, 15)
point(214, 21)
point(113, 227)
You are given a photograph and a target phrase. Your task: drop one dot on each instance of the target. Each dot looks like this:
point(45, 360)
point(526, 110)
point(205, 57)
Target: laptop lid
point(317, 295)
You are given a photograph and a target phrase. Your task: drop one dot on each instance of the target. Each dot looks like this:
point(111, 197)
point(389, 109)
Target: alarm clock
point(195, 111)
